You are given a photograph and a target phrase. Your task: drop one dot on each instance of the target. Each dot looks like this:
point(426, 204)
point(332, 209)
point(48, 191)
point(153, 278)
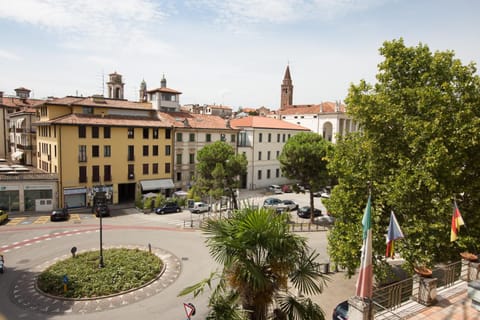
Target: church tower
point(115, 86)
point(143, 91)
point(286, 98)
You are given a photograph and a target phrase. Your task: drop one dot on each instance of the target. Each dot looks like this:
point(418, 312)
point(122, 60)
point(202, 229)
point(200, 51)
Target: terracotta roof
point(328, 107)
point(194, 120)
point(264, 122)
point(108, 120)
point(215, 106)
point(247, 110)
point(100, 102)
point(168, 90)
point(16, 102)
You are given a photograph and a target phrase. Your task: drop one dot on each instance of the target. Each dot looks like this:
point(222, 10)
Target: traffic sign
point(189, 309)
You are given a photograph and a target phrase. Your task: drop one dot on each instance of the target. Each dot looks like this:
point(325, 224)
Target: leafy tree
point(261, 260)
point(218, 170)
point(304, 158)
point(420, 148)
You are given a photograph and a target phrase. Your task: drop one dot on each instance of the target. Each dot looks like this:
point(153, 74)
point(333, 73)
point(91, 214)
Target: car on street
point(275, 204)
point(59, 214)
point(3, 216)
point(102, 210)
point(341, 311)
point(324, 220)
point(274, 188)
point(290, 204)
point(304, 212)
point(169, 207)
point(200, 207)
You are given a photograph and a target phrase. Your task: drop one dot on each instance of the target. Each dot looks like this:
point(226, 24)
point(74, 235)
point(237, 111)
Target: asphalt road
point(32, 243)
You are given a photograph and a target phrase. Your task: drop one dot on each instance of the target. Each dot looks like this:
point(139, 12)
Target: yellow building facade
point(97, 145)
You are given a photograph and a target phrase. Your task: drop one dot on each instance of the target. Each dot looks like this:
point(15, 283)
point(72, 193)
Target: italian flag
point(365, 277)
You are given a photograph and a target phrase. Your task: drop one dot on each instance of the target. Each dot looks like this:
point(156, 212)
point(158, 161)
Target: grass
point(124, 269)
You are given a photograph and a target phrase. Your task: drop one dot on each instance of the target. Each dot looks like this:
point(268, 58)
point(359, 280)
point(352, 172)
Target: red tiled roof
point(15, 102)
point(194, 120)
point(264, 122)
point(100, 102)
point(108, 120)
point(328, 107)
point(168, 90)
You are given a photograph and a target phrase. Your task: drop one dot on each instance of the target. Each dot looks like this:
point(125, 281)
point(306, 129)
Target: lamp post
point(101, 264)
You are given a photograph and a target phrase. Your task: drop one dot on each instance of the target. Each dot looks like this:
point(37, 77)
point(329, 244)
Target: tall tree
point(420, 148)
point(219, 170)
point(304, 158)
point(261, 260)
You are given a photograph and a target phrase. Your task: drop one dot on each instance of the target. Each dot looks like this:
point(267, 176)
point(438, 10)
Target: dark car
point(304, 212)
point(341, 311)
point(102, 210)
point(59, 214)
point(168, 207)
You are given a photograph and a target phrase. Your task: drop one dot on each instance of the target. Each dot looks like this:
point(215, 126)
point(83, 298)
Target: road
point(33, 242)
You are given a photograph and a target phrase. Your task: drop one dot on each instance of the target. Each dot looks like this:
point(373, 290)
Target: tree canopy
point(261, 260)
point(304, 158)
point(219, 170)
point(419, 145)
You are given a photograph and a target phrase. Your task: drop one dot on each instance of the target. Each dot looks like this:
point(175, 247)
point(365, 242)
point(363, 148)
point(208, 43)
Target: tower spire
point(286, 97)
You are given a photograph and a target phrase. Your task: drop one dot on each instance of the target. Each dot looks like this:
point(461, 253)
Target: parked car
point(324, 193)
point(102, 210)
point(275, 189)
point(304, 212)
point(200, 207)
point(341, 311)
point(324, 220)
point(276, 204)
point(3, 216)
point(59, 214)
point(290, 204)
point(286, 188)
point(168, 207)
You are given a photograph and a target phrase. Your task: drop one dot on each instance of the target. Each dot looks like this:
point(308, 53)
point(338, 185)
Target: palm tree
point(262, 260)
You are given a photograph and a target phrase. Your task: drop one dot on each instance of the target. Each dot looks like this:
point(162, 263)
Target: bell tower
point(143, 91)
point(286, 98)
point(115, 86)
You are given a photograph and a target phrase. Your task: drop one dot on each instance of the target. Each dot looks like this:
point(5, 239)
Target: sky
point(230, 52)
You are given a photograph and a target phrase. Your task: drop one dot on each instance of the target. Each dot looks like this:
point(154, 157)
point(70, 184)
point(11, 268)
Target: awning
point(148, 185)
point(17, 155)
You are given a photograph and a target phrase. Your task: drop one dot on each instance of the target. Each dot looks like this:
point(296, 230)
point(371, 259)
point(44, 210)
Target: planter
point(469, 256)
point(423, 271)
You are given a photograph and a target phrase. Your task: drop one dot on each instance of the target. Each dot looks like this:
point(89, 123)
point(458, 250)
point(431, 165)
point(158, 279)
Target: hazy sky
point(220, 51)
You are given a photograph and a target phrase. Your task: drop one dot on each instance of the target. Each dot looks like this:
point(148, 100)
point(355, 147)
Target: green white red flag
point(365, 277)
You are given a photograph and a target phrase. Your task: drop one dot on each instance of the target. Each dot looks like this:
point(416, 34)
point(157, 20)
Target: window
point(145, 150)
point(155, 133)
point(106, 132)
point(259, 175)
point(191, 137)
point(179, 137)
point(283, 139)
point(232, 138)
point(82, 153)
point(167, 150)
point(145, 168)
point(179, 176)
point(278, 137)
point(131, 133)
point(260, 137)
point(95, 151)
point(155, 168)
point(107, 173)
point(107, 151)
point(289, 136)
point(167, 167)
point(179, 158)
point(222, 137)
point(131, 171)
point(82, 174)
point(87, 110)
point(95, 174)
point(82, 132)
point(269, 137)
point(278, 154)
point(192, 158)
point(95, 132)
point(168, 133)
point(131, 153)
point(268, 155)
point(268, 173)
point(145, 133)
point(277, 173)
point(242, 139)
point(259, 155)
point(208, 137)
point(154, 150)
